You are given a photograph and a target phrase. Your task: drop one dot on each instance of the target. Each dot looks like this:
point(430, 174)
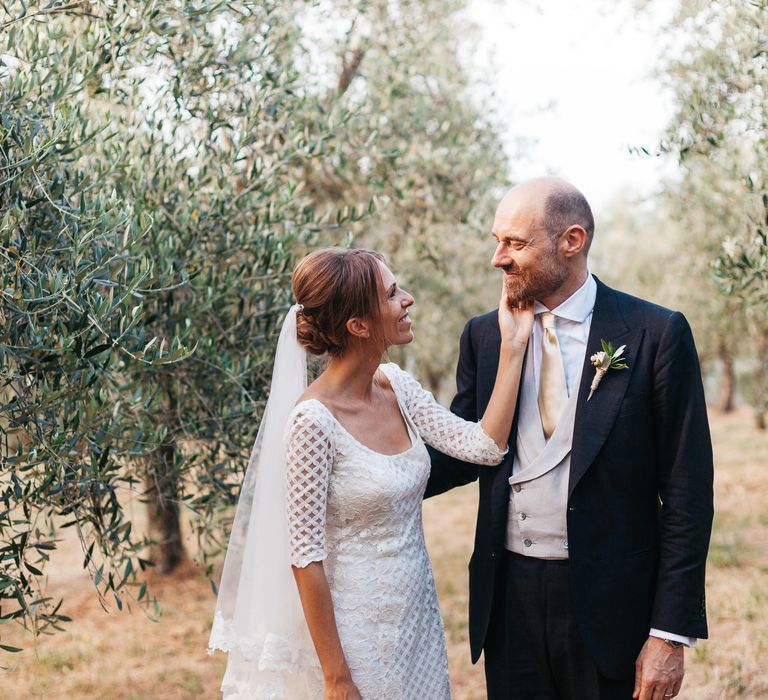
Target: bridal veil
point(258, 618)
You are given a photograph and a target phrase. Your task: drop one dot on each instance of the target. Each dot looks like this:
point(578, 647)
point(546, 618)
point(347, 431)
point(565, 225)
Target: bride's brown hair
point(334, 285)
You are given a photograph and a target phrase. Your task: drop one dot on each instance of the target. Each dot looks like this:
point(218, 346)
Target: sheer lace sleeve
point(439, 427)
point(309, 456)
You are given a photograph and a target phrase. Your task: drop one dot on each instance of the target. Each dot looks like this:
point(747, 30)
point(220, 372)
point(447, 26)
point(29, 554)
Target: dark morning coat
point(640, 487)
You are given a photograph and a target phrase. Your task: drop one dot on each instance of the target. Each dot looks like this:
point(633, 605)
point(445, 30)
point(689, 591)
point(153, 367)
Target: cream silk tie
point(552, 392)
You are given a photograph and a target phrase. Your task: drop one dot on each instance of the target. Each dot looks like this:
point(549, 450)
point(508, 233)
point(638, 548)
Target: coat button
point(516, 488)
point(565, 544)
point(527, 542)
point(523, 516)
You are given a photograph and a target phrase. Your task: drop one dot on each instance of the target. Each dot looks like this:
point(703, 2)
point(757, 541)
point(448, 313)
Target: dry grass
point(122, 656)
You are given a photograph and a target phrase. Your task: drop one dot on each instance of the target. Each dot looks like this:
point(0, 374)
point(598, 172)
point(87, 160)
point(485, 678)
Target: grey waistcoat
point(538, 499)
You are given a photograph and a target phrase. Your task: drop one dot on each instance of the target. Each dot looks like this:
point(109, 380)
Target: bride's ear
point(358, 328)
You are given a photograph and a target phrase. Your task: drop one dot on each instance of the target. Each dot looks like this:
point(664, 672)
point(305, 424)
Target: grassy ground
point(120, 656)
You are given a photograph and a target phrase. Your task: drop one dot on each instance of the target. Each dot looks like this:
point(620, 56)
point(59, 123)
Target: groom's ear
point(575, 241)
point(358, 328)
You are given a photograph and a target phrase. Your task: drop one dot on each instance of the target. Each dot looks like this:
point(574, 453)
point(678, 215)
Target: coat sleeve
point(448, 472)
point(685, 483)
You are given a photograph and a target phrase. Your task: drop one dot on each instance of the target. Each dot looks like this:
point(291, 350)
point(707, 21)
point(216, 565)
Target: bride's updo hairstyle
point(335, 285)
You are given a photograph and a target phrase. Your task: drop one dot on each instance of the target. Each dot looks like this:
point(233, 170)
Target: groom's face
point(526, 253)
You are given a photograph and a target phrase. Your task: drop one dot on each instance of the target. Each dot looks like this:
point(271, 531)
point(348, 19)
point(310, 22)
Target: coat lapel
point(595, 418)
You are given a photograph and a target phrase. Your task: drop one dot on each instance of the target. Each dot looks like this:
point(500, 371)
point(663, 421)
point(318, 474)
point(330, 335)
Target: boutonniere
point(602, 361)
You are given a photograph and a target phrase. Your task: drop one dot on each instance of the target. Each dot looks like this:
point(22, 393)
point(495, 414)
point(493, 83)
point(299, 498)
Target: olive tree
point(73, 279)
point(718, 135)
point(423, 141)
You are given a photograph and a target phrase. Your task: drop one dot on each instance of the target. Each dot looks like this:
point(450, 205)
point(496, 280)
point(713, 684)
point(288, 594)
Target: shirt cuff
point(688, 641)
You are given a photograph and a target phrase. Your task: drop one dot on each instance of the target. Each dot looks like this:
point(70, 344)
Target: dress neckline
point(413, 435)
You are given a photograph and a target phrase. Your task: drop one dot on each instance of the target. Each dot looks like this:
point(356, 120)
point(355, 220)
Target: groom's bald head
point(543, 229)
point(552, 204)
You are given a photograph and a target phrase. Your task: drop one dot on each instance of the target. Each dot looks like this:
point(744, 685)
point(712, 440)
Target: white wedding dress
point(359, 511)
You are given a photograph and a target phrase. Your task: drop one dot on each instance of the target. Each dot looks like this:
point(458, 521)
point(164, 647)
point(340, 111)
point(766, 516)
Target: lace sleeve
point(440, 428)
point(309, 457)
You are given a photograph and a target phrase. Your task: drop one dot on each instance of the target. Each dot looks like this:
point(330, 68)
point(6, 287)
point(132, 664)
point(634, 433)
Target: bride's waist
point(363, 546)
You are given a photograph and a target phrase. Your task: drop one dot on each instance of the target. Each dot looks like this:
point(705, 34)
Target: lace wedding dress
point(359, 511)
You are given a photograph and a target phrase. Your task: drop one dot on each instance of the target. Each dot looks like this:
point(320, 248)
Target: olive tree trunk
point(761, 382)
point(162, 499)
point(728, 381)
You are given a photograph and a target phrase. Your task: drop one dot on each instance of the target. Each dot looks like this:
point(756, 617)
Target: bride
point(333, 495)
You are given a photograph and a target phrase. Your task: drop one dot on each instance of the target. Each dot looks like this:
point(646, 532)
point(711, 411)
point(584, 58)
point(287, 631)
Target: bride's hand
point(515, 320)
point(342, 690)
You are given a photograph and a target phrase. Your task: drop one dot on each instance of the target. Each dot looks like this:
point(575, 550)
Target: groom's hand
point(658, 670)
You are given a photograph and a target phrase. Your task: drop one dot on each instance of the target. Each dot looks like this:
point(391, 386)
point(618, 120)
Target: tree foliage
point(716, 212)
point(74, 272)
point(721, 128)
point(163, 165)
point(152, 193)
point(423, 142)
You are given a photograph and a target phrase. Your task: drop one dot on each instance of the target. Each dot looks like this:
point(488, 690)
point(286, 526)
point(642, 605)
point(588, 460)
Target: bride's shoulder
point(310, 393)
point(391, 370)
point(391, 374)
point(316, 396)
point(310, 425)
point(310, 410)
point(399, 379)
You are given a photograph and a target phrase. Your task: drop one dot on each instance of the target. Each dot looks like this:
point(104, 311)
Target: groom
point(587, 577)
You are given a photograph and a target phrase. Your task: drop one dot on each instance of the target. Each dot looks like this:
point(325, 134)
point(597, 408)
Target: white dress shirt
point(573, 319)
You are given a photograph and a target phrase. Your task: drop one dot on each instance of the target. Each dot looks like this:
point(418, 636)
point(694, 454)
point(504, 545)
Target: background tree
point(215, 133)
point(423, 141)
point(200, 140)
point(149, 193)
point(662, 251)
point(710, 251)
point(720, 135)
point(73, 272)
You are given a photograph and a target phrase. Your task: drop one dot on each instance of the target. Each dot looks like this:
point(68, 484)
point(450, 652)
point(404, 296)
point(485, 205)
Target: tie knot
point(548, 320)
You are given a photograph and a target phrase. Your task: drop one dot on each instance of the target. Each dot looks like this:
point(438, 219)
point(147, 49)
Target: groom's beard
point(535, 284)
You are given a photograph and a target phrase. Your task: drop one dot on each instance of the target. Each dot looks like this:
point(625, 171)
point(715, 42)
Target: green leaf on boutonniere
point(608, 359)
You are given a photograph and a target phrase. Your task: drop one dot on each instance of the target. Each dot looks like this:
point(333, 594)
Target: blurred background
point(164, 164)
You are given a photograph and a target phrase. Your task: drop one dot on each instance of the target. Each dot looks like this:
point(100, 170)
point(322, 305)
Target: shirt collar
point(576, 307)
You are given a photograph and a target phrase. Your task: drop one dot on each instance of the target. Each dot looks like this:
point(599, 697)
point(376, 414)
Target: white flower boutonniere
point(607, 359)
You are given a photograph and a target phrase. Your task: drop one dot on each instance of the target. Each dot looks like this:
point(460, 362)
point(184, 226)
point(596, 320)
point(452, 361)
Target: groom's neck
point(574, 282)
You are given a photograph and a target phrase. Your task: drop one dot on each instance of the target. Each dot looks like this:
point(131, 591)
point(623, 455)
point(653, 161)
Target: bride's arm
point(316, 601)
point(515, 325)
point(484, 442)
point(309, 458)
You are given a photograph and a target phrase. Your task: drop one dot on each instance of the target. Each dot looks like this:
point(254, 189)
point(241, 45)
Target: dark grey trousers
point(534, 650)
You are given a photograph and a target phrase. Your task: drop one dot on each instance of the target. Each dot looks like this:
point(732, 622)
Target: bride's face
point(394, 310)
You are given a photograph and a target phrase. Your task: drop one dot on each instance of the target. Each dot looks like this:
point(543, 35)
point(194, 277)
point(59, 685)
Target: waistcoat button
point(527, 542)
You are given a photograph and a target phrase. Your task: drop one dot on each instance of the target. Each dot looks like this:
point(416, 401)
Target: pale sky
point(576, 78)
